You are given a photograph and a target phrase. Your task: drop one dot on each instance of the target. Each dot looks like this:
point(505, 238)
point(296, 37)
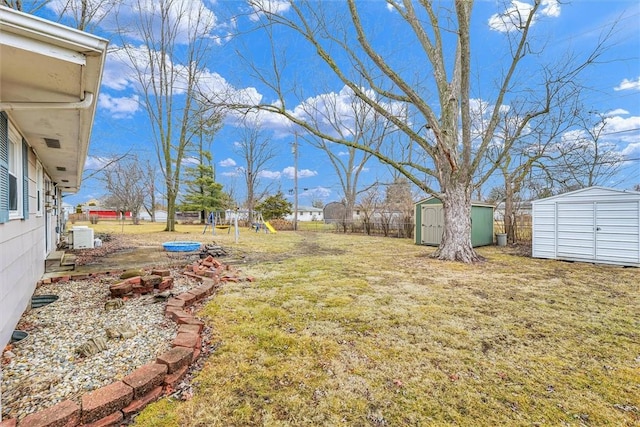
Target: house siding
point(21, 266)
point(22, 255)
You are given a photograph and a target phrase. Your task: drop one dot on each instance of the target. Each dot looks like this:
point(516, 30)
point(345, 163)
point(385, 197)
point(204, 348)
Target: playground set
point(225, 220)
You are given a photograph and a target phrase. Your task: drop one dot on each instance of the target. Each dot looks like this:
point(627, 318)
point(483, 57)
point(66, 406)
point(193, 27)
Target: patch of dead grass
point(352, 330)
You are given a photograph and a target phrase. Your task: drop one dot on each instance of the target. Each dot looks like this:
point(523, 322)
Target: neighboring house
point(522, 210)
point(103, 213)
point(49, 81)
point(307, 213)
point(160, 215)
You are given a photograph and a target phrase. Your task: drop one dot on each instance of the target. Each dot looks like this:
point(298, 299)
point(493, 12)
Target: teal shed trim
point(429, 222)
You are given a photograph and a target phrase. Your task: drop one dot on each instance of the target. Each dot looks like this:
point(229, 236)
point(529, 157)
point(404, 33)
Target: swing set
point(224, 220)
point(217, 222)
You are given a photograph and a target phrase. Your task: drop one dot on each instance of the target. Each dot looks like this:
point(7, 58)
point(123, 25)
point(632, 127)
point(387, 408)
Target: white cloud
point(96, 162)
point(191, 161)
point(269, 174)
point(234, 173)
point(117, 73)
point(260, 7)
point(632, 150)
point(627, 84)
point(187, 17)
point(289, 172)
point(227, 162)
point(280, 125)
point(335, 113)
point(516, 15)
point(618, 124)
point(343, 153)
point(322, 193)
point(616, 112)
point(550, 8)
point(122, 107)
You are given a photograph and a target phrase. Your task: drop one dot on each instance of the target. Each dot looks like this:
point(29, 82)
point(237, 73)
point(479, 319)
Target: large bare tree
point(126, 182)
point(28, 6)
point(435, 87)
point(531, 149)
point(166, 64)
point(256, 151)
point(587, 156)
point(349, 118)
point(81, 14)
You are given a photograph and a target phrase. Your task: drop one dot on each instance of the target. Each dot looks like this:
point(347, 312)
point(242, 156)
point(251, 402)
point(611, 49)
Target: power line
point(620, 131)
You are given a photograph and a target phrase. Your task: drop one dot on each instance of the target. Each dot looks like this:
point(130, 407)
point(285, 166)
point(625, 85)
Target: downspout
point(23, 106)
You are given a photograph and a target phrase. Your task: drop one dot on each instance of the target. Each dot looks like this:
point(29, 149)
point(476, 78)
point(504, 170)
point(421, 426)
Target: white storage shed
point(594, 224)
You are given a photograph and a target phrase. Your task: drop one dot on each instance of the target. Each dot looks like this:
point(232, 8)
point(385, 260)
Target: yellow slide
point(269, 227)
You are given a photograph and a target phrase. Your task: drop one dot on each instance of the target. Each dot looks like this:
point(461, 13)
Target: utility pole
point(295, 182)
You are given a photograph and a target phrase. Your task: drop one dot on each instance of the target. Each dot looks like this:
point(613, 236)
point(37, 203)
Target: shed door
point(617, 232)
point(599, 231)
point(575, 230)
point(432, 224)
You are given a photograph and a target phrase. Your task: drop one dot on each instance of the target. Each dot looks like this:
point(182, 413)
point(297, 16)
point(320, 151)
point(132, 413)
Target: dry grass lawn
point(360, 331)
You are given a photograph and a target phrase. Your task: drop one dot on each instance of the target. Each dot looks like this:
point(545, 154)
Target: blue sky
point(614, 86)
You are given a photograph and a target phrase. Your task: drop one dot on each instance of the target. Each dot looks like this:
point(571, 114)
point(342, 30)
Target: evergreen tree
point(202, 192)
point(275, 207)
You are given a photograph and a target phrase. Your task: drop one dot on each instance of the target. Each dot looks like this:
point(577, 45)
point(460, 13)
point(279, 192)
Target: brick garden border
point(109, 405)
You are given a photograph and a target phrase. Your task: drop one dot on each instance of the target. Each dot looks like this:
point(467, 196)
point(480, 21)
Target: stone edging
point(111, 404)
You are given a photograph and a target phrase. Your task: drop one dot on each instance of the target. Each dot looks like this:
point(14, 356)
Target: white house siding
point(594, 224)
point(307, 214)
point(22, 255)
point(161, 216)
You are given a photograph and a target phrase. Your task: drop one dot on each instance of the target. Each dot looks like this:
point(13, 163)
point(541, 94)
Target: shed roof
point(597, 190)
point(473, 202)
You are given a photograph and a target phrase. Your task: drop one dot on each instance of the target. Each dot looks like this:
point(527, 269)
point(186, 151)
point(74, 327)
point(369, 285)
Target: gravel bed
point(44, 369)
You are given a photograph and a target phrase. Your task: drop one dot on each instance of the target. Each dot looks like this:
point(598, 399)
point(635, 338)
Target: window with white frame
point(15, 175)
point(39, 185)
point(14, 172)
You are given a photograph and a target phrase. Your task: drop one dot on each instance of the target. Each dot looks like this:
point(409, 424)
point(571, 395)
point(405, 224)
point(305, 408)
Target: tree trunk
point(509, 228)
point(456, 239)
point(509, 223)
point(171, 212)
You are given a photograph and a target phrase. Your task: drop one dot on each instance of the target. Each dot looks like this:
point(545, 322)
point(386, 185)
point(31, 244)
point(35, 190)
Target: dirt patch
point(310, 246)
point(118, 253)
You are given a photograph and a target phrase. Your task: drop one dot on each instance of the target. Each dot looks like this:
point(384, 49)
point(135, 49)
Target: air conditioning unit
point(82, 237)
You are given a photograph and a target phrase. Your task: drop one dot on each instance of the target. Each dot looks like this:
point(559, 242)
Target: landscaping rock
point(127, 274)
point(120, 289)
point(176, 358)
point(63, 414)
point(105, 401)
point(146, 378)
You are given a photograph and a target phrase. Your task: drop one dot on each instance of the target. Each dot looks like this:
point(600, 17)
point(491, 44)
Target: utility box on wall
point(429, 214)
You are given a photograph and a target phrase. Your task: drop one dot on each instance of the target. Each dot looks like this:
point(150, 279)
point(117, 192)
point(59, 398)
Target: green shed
point(429, 215)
